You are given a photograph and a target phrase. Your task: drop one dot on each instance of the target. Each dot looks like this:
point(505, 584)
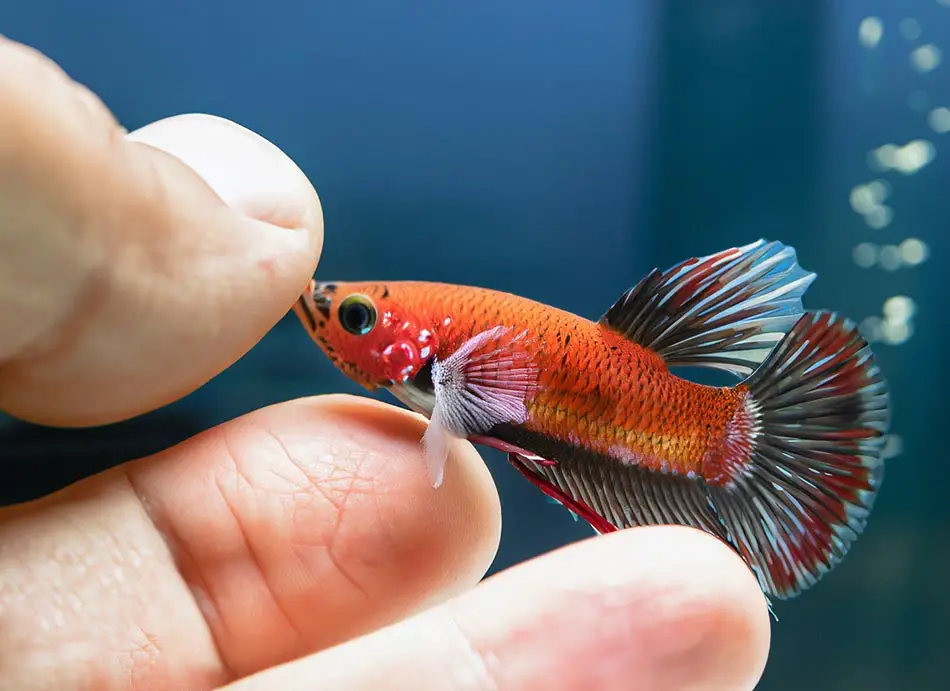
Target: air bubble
point(907, 159)
point(871, 328)
point(879, 217)
point(865, 255)
point(889, 258)
point(870, 32)
point(926, 58)
point(896, 333)
point(914, 251)
point(910, 29)
point(899, 308)
point(939, 120)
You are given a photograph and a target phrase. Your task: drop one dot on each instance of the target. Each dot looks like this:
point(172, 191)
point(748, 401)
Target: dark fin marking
point(484, 383)
point(725, 311)
point(303, 311)
point(643, 497)
point(612, 495)
point(803, 496)
point(800, 497)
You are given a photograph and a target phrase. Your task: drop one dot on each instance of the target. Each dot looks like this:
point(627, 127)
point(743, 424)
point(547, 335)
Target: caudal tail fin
point(820, 409)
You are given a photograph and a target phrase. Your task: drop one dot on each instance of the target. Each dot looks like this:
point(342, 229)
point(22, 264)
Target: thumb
point(134, 268)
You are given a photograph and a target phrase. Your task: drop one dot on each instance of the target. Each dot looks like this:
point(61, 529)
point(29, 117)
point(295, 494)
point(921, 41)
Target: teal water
point(561, 149)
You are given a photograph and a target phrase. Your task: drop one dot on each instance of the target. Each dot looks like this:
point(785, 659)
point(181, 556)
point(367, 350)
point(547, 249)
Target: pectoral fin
point(486, 382)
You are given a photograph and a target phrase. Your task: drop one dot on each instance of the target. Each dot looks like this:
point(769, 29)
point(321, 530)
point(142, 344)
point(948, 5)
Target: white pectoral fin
point(482, 384)
point(435, 444)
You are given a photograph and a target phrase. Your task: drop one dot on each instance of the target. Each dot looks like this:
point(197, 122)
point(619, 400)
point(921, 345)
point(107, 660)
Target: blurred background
point(561, 149)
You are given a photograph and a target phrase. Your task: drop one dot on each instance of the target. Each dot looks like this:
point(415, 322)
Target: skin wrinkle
point(251, 550)
point(340, 474)
point(341, 509)
point(142, 656)
point(315, 484)
point(179, 555)
point(387, 548)
point(103, 564)
point(61, 337)
point(326, 544)
point(94, 288)
point(124, 654)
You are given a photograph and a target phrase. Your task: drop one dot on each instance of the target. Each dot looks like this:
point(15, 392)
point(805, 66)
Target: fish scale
point(591, 388)
point(590, 385)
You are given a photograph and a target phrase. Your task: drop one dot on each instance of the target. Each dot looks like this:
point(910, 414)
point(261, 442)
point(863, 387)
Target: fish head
point(369, 335)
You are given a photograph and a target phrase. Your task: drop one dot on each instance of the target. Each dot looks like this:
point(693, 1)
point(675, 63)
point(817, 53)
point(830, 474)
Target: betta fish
point(783, 466)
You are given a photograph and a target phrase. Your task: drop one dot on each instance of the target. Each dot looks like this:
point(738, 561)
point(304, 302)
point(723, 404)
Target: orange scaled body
point(596, 389)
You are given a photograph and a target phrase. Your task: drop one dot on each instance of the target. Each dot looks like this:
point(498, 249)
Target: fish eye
point(357, 314)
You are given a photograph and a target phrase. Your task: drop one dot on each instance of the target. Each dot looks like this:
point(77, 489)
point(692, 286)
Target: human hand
point(301, 545)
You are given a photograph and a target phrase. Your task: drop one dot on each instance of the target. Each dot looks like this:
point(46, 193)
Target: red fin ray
point(524, 465)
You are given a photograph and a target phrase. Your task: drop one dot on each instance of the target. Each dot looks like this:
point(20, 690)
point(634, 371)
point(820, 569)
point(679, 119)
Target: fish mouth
point(313, 305)
point(305, 308)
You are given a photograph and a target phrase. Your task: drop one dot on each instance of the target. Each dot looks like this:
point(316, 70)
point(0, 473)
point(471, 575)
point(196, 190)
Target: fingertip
point(659, 607)
point(326, 498)
point(250, 173)
point(466, 505)
point(712, 623)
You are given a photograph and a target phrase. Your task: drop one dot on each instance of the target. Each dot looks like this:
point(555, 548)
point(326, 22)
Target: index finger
point(134, 269)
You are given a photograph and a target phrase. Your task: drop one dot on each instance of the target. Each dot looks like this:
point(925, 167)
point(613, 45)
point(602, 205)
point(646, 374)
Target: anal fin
point(528, 468)
point(724, 311)
point(611, 495)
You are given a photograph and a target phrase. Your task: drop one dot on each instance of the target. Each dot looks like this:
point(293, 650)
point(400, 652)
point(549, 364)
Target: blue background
point(560, 149)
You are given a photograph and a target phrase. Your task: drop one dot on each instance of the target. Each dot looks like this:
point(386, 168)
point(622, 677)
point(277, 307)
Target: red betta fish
point(784, 466)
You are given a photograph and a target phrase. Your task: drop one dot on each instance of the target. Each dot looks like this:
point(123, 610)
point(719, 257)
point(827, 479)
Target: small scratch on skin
point(267, 268)
point(143, 658)
point(481, 670)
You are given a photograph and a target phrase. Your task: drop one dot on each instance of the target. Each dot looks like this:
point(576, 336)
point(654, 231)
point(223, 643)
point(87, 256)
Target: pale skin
point(300, 546)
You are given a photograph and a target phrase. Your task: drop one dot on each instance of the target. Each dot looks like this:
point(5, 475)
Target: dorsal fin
point(726, 311)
